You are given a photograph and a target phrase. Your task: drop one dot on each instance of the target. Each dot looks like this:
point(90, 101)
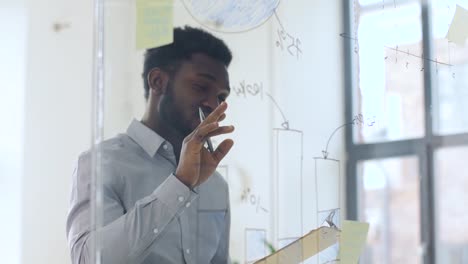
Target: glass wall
point(282, 177)
point(334, 103)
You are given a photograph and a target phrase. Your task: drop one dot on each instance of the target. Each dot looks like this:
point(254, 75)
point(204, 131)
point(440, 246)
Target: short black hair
point(187, 41)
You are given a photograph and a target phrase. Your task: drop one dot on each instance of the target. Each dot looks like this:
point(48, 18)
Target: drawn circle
point(231, 16)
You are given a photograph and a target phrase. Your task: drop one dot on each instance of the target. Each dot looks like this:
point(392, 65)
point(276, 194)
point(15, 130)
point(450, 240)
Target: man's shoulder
point(118, 143)
point(114, 154)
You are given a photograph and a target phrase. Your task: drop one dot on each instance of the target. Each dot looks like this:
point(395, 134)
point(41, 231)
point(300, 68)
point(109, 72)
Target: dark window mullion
point(351, 164)
point(386, 149)
point(449, 140)
point(427, 162)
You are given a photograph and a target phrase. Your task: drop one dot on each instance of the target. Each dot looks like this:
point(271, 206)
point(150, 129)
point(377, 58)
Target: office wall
point(13, 25)
point(57, 122)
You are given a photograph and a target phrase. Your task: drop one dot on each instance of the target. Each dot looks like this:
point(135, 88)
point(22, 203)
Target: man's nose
point(210, 104)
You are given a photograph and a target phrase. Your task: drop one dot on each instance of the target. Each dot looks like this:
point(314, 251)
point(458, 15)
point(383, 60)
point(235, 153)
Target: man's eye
point(199, 88)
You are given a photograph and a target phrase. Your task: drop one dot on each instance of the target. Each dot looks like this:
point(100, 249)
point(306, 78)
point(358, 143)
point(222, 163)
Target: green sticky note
point(154, 23)
point(353, 240)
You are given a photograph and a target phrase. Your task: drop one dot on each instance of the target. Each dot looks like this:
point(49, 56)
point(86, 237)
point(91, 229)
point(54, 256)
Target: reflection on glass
point(452, 216)
point(390, 74)
point(389, 201)
point(451, 82)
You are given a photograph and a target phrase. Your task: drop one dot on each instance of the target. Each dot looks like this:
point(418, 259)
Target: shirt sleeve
point(125, 236)
point(222, 253)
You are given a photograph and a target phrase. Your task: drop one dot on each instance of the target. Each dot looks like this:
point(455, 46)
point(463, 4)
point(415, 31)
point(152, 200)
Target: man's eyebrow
point(212, 78)
point(207, 76)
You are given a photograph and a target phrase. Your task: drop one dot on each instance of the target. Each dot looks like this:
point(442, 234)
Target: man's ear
point(157, 81)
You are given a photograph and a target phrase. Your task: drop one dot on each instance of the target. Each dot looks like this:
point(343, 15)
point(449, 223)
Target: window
point(406, 80)
point(389, 202)
point(451, 216)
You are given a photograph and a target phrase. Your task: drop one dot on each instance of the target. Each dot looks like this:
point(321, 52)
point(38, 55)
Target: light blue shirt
point(149, 215)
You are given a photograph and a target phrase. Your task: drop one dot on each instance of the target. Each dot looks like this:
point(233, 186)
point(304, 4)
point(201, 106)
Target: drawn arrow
point(285, 123)
point(347, 36)
point(358, 119)
point(325, 152)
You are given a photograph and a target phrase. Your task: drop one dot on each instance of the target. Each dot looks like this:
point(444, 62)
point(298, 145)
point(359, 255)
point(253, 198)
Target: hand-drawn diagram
point(255, 89)
point(231, 16)
point(286, 41)
point(244, 89)
point(285, 123)
point(405, 52)
point(253, 199)
point(398, 50)
point(288, 161)
point(357, 120)
point(327, 189)
point(356, 42)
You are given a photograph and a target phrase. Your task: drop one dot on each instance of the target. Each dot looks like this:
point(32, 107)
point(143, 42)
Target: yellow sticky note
point(353, 240)
point(458, 31)
point(154, 23)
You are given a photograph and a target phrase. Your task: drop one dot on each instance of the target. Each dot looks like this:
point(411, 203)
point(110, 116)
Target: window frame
point(424, 147)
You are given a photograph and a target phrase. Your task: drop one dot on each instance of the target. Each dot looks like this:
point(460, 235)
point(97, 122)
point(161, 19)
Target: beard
point(171, 114)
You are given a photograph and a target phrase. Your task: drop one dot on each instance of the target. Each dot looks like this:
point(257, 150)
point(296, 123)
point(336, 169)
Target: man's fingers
point(217, 113)
point(221, 130)
point(222, 117)
point(223, 149)
point(211, 130)
point(202, 132)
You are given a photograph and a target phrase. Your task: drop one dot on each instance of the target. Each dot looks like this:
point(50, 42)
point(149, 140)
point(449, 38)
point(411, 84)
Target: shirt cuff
point(174, 194)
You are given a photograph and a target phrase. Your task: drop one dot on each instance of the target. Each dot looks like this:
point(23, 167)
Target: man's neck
point(167, 132)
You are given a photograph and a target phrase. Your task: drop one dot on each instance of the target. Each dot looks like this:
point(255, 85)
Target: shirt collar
point(149, 140)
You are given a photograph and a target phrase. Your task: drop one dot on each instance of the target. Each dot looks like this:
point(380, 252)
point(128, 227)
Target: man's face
point(201, 82)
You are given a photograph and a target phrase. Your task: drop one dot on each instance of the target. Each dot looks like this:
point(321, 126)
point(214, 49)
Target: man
point(163, 201)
